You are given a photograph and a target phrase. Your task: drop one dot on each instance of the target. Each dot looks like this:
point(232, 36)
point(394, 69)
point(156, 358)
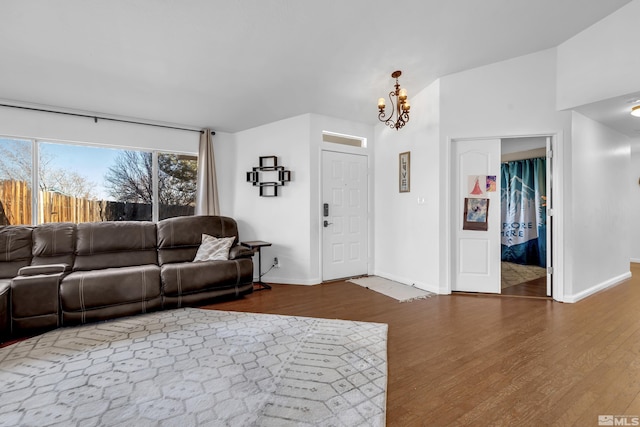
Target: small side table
point(255, 246)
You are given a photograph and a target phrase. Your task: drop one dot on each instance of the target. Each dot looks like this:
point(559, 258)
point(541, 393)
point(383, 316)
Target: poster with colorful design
point(477, 185)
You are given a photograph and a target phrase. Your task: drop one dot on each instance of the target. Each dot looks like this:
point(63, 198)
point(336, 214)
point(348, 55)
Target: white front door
point(344, 215)
point(476, 252)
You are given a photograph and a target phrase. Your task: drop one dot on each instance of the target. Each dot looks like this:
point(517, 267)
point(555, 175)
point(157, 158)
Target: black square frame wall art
point(476, 214)
point(268, 176)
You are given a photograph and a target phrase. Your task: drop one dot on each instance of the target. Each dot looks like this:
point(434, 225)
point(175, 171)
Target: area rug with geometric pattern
point(194, 367)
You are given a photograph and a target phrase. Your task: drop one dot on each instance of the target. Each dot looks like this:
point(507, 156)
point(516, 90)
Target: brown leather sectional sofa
point(65, 274)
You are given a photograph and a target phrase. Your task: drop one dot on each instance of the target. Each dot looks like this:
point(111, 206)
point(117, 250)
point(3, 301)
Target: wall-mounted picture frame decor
point(268, 176)
point(404, 172)
point(476, 214)
point(268, 163)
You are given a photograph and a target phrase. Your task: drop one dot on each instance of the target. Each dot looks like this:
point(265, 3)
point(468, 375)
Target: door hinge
point(549, 212)
point(550, 154)
point(549, 270)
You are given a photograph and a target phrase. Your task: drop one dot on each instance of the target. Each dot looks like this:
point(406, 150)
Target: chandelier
point(400, 110)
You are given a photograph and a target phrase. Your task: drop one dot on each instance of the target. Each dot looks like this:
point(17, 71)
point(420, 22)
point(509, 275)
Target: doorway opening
point(524, 220)
point(477, 245)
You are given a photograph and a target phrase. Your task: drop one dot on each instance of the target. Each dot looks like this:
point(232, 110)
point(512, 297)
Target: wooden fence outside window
point(15, 207)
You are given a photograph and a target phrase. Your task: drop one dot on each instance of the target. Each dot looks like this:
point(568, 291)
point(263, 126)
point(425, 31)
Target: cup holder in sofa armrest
point(34, 270)
point(239, 251)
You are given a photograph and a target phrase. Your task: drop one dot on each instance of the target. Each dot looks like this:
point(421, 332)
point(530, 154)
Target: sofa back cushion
point(180, 237)
point(15, 249)
point(115, 244)
point(54, 243)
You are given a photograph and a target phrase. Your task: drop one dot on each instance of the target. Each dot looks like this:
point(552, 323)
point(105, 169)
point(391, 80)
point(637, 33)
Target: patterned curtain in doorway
point(524, 212)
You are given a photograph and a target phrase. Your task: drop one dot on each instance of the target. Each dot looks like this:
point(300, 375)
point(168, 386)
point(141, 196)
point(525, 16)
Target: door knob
point(327, 223)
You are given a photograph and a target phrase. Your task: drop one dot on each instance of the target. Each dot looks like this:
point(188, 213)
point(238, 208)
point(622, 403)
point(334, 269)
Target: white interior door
point(476, 253)
point(344, 215)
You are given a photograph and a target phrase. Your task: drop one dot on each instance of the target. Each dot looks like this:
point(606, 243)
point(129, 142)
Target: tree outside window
point(130, 180)
point(82, 183)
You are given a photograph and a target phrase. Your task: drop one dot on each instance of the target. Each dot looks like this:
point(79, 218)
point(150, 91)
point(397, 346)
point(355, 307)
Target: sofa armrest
point(35, 299)
point(239, 251)
point(34, 270)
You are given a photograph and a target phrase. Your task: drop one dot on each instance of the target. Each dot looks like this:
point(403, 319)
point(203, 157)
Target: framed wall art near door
point(404, 172)
point(476, 214)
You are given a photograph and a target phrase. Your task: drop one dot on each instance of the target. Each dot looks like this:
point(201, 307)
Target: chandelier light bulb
point(635, 111)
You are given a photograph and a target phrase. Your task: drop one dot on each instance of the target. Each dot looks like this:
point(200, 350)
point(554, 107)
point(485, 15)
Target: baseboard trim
point(597, 288)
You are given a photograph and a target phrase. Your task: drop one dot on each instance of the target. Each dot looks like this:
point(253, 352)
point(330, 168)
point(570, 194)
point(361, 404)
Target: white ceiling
point(615, 113)
point(233, 65)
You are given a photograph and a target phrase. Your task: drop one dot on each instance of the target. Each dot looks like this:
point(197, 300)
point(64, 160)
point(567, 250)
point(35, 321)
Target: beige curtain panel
point(207, 187)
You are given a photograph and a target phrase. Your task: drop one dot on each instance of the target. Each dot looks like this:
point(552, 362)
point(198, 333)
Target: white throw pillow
point(214, 248)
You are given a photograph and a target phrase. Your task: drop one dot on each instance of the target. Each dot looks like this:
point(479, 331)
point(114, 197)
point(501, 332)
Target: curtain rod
point(96, 118)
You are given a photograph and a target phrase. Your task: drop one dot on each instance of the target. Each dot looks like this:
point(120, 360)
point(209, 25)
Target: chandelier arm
point(392, 104)
point(382, 116)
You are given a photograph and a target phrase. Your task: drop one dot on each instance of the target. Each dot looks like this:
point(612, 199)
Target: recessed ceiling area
point(233, 65)
point(615, 113)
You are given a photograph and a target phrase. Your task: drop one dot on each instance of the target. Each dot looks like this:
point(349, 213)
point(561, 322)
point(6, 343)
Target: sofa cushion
point(179, 238)
point(190, 277)
point(84, 290)
point(15, 249)
point(54, 243)
point(115, 244)
point(213, 248)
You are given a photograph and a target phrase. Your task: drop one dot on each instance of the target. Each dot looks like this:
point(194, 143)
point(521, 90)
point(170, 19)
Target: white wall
point(407, 225)
point(290, 221)
point(510, 98)
point(602, 61)
point(282, 220)
point(598, 63)
point(601, 207)
point(32, 124)
point(634, 197)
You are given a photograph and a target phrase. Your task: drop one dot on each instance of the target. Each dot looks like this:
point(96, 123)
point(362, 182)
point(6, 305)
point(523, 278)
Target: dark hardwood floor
point(486, 361)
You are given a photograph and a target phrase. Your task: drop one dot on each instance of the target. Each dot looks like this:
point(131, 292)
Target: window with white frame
point(16, 178)
point(89, 183)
